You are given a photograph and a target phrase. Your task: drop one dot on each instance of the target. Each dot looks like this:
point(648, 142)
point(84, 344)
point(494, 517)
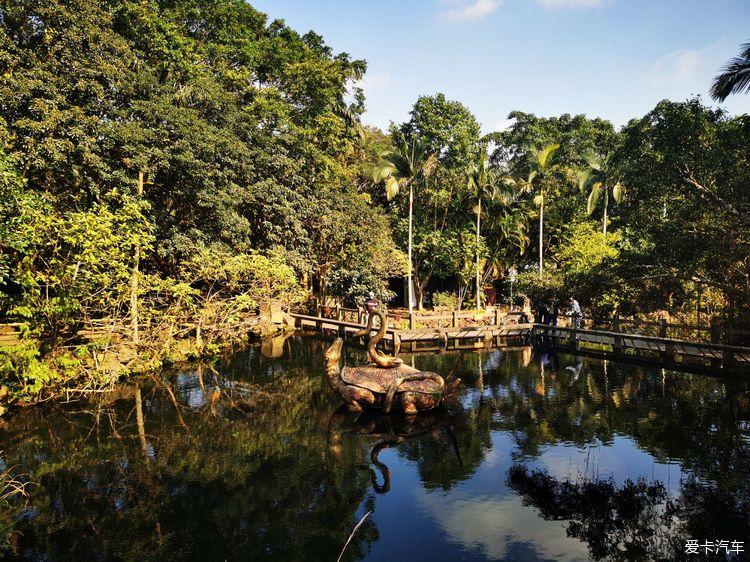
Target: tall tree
point(401, 168)
point(480, 184)
point(541, 163)
point(448, 127)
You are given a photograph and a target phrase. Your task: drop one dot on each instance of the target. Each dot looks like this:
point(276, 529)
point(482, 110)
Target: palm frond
point(593, 160)
point(430, 165)
point(546, 155)
point(734, 77)
point(392, 187)
point(584, 179)
point(593, 197)
point(383, 170)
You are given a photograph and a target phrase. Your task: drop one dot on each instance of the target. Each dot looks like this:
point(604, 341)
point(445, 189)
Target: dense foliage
point(167, 162)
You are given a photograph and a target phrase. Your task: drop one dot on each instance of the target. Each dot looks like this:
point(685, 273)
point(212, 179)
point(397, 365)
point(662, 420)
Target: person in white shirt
point(575, 313)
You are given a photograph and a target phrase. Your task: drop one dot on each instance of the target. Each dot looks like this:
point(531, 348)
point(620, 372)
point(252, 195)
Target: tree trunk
point(606, 204)
point(420, 285)
point(420, 294)
point(139, 419)
point(479, 218)
point(409, 278)
point(134, 276)
point(541, 234)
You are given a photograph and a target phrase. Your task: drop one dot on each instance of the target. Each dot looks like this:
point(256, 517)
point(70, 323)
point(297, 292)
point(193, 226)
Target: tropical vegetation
point(168, 167)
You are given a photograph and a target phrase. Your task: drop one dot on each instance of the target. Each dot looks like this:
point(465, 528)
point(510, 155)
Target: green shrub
point(543, 287)
point(444, 300)
point(352, 286)
point(23, 371)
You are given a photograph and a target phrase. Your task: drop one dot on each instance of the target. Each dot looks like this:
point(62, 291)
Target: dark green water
point(570, 460)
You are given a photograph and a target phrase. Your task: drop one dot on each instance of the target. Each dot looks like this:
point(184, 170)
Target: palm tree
point(400, 168)
point(480, 185)
point(597, 178)
point(542, 160)
point(734, 77)
point(507, 223)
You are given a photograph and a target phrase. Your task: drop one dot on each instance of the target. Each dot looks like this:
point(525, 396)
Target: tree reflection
point(635, 520)
point(245, 460)
point(179, 473)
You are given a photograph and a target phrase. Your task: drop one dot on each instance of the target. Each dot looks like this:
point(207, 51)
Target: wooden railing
point(409, 320)
point(717, 332)
point(621, 343)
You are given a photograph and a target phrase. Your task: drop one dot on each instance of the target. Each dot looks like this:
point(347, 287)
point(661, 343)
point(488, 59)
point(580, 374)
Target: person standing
point(542, 313)
point(371, 303)
point(575, 313)
point(554, 311)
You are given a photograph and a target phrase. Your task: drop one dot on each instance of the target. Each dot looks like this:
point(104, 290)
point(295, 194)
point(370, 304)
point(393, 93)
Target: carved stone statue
point(385, 383)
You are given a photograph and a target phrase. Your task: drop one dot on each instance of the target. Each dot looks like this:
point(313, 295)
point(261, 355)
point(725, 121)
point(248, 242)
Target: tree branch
point(707, 193)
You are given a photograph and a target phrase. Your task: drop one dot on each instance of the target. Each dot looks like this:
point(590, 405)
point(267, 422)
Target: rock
point(109, 362)
point(273, 321)
point(126, 354)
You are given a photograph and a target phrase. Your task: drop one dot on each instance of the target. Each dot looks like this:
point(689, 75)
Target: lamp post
point(512, 273)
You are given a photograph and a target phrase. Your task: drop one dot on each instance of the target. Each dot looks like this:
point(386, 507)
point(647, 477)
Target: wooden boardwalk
point(666, 351)
point(426, 339)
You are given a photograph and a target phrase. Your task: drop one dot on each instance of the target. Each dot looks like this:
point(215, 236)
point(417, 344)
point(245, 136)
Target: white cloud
point(375, 82)
point(493, 523)
point(680, 65)
point(570, 3)
point(466, 10)
point(503, 124)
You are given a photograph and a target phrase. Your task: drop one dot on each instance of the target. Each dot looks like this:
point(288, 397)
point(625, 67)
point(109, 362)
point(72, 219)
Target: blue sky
point(608, 58)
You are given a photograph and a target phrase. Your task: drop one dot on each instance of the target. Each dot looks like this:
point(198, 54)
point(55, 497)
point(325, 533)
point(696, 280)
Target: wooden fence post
point(497, 316)
point(396, 344)
point(487, 335)
point(617, 345)
point(455, 319)
point(411, 320)
point(662, 328)
point(616, 322)
point(715, 330)
point(728, 355)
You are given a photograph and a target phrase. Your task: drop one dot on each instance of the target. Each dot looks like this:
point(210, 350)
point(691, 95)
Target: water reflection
point(550, 457)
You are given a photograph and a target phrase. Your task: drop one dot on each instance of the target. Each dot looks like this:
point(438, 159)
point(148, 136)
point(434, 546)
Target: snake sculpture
point(385, 383)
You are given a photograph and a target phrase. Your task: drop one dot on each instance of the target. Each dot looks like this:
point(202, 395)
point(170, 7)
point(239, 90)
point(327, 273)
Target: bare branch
point(744, 218)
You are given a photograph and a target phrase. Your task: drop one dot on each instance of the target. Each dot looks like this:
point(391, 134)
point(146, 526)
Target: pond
point(549, 457)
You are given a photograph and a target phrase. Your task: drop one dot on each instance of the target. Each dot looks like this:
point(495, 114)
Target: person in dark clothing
point(542, 314)
point(554, 311)
point(371, 303)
